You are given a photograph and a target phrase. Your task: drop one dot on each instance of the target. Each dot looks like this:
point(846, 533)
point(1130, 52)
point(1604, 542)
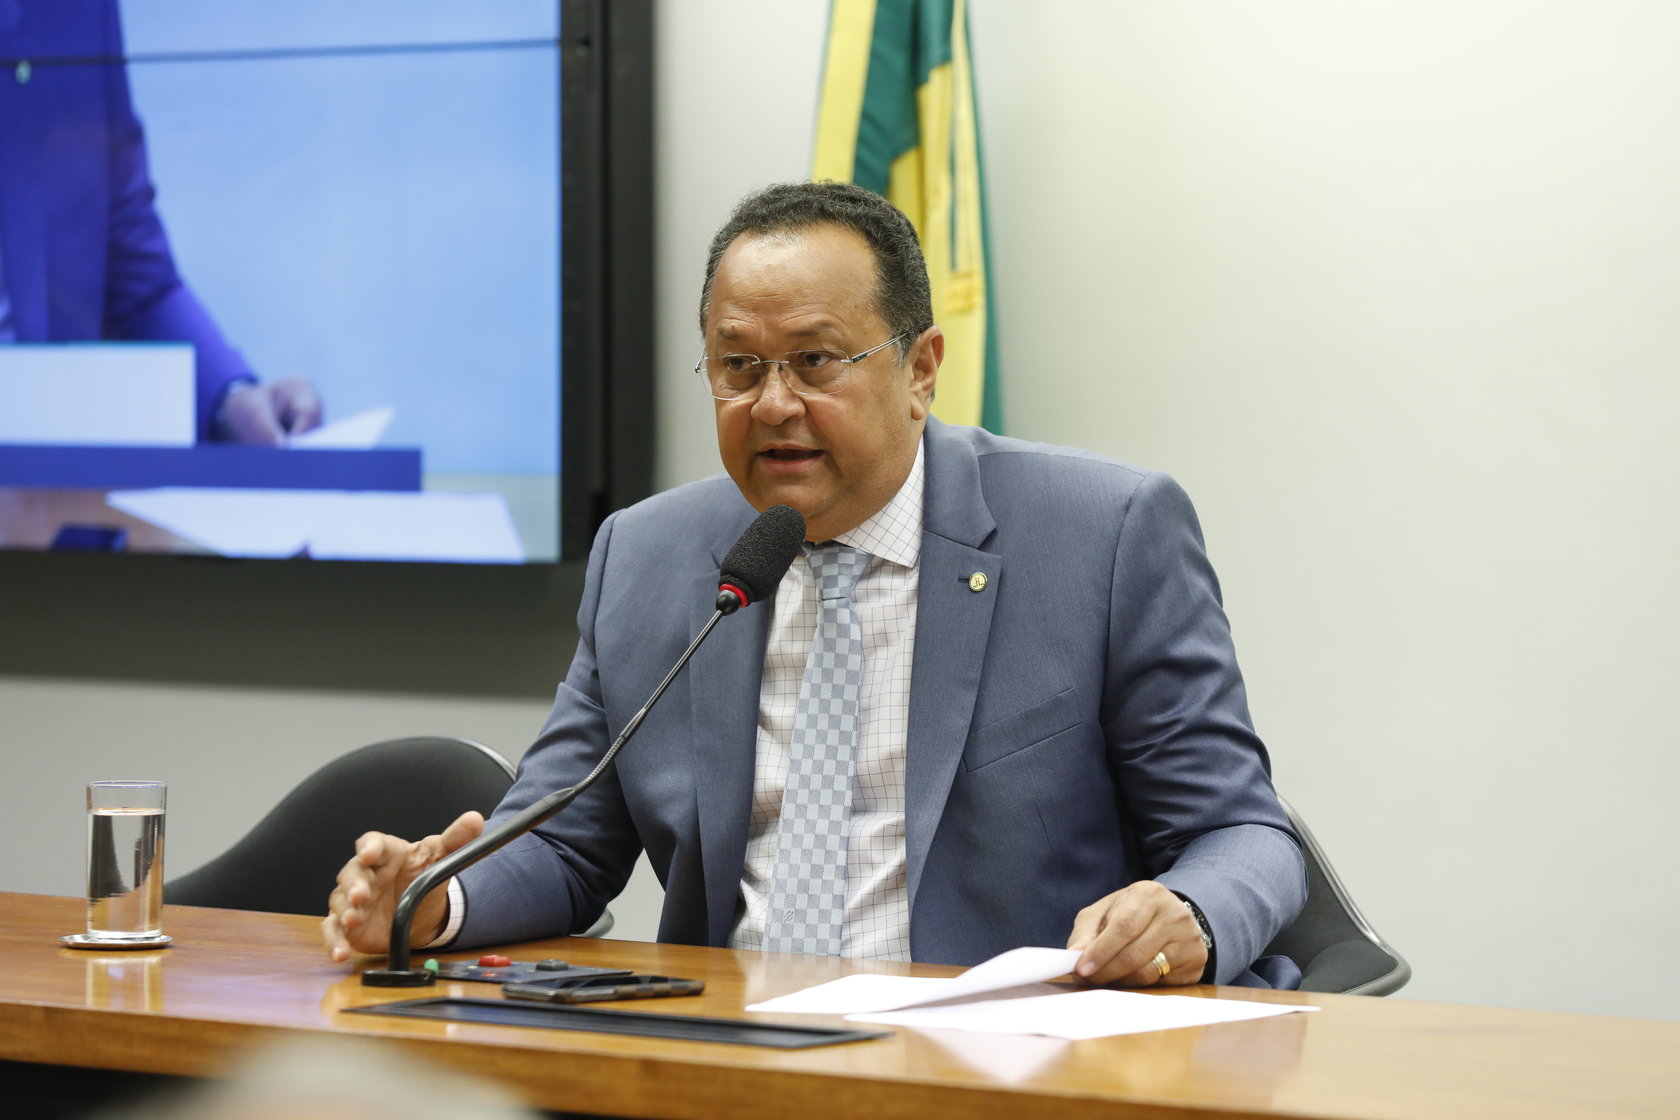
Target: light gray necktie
point(808, 896)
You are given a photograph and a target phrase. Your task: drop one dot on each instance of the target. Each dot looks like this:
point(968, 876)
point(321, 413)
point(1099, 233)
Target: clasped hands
point(1119, 935)
point(360, 907)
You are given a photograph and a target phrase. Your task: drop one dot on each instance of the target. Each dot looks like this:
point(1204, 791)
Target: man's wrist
point(218, 416)
point(1210, 969)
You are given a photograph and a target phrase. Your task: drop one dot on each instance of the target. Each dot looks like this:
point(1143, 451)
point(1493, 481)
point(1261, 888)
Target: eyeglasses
point(810, 373)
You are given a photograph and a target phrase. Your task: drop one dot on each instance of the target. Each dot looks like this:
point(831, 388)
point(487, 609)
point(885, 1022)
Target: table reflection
point(126, 981)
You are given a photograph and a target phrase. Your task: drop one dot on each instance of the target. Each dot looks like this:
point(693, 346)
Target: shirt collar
point(895, 533)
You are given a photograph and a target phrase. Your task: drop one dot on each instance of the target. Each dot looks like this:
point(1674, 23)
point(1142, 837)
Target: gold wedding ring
point(1161, 965)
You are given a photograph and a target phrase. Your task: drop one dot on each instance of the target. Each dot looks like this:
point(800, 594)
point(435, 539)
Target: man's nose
point(776, 399)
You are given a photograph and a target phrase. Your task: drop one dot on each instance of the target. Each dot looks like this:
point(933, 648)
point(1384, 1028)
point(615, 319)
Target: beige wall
point(1390, 287)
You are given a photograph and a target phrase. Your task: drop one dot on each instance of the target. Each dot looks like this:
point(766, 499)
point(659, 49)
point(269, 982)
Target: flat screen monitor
point(325, 279)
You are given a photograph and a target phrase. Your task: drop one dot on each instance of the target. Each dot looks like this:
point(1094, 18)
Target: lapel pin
point(977, 581)
point(22, 72)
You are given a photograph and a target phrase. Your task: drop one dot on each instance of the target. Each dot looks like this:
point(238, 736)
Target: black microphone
point(760, 558)
point(750, 572)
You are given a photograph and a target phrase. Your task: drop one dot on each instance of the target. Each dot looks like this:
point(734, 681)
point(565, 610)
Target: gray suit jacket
point(1077, 725)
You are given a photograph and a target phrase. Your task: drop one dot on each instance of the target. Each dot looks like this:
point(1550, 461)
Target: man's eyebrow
point(819, 328)
point(816, 330)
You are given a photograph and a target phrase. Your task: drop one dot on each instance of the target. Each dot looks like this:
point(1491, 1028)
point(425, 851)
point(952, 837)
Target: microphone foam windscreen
point(761, 557)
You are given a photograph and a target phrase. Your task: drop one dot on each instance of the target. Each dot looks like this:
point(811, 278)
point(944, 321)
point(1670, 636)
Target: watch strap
point(1209, 969)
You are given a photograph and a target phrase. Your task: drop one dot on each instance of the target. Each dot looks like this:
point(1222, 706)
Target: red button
point(493, 961)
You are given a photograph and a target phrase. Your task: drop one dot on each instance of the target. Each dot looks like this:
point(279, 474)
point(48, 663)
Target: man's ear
point(925, 358)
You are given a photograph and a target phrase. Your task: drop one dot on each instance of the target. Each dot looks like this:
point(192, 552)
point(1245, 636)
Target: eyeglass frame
point(792, 380)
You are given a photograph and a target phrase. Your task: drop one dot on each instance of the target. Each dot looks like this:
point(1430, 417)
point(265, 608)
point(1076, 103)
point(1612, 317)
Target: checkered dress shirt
point(877, 921)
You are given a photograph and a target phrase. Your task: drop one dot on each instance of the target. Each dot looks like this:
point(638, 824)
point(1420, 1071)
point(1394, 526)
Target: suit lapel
point(953, 625)
point(725, 676)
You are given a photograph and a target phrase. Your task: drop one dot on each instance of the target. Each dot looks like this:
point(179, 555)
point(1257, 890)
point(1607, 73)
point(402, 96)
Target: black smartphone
point(594, 989)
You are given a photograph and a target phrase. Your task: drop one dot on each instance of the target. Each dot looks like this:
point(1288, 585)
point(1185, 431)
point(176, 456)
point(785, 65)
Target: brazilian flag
point(897, 116)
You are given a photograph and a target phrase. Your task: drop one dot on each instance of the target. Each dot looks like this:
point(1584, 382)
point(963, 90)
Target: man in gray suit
point(1051, 743)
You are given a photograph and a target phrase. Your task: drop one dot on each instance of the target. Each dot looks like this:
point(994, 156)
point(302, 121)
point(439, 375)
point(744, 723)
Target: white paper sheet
point(333, 524)
point(1006, 995)
point(355, 433)
point(868, 992)
point(1094, 1013)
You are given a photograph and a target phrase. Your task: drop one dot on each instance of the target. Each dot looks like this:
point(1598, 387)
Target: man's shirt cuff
point(457, 904)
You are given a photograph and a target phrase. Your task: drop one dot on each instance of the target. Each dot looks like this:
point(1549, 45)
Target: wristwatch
point(1208, 969)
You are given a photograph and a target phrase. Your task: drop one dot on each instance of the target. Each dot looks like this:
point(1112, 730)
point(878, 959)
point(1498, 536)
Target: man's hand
point(360, 907)
point(1121, 934)
point(265, 414)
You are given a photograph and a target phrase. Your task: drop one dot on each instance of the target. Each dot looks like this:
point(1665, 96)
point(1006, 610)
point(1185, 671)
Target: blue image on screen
point(384, 221)
point(362, 193)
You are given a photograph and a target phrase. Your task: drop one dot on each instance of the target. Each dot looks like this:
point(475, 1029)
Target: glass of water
point(125, 861)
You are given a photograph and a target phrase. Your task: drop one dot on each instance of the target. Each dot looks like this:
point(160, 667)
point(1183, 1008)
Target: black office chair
point(1335, 946)
point(408, 787)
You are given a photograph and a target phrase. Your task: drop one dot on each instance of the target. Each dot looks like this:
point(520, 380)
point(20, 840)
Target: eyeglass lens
point(809, 372)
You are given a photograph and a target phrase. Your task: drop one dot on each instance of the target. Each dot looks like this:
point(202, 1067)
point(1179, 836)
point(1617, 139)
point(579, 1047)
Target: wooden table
point(233, 979)
point(30, 517)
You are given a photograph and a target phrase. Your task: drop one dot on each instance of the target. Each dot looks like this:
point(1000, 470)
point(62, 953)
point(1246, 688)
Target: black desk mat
point(606, 1020)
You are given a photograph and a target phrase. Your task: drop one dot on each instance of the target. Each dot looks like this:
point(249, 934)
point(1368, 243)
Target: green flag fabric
point(897, 115)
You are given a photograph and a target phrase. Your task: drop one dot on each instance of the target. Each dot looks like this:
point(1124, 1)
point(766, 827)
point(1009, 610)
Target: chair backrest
point(288, 863)
point(1337, 949)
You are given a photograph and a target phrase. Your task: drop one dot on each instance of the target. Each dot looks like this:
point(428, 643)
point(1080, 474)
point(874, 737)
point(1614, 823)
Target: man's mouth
point(789, 454)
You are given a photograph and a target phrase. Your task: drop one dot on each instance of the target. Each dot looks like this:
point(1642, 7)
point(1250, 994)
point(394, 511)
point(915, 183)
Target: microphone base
point(398, 978)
